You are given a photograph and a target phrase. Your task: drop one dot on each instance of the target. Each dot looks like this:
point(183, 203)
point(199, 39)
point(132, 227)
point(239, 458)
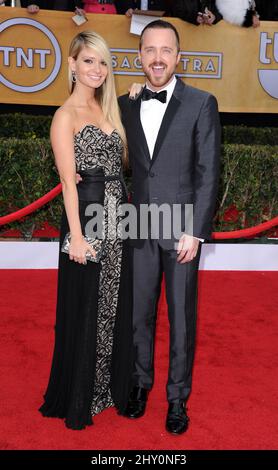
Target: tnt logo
point(268, 77)
point(25, 67)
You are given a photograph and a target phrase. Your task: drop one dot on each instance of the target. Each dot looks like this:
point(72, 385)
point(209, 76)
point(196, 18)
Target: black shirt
point(188, 10)
point(267, 9)
point(64, 5)
point(123, 5)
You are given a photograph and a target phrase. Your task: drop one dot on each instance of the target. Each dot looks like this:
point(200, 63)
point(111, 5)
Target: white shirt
point(151, 114)
point(144, 5)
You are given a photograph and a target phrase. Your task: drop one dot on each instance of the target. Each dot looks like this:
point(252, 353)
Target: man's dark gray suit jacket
point(184, 167)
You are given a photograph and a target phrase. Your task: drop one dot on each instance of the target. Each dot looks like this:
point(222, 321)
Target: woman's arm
point(61, 135)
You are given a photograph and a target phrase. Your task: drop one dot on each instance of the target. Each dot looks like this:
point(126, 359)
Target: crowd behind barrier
point(239, 12)
point(215, 59)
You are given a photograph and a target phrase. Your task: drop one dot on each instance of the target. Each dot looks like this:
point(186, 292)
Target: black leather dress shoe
point(136, 403)
point(177, 419)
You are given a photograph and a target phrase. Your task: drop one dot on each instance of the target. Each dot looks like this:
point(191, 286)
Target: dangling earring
point(73, 77)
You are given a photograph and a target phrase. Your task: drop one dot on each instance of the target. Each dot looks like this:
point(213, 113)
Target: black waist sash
point(92, 186)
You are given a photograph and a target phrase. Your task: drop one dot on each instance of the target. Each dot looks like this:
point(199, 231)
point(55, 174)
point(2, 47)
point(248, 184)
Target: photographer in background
point(8, 3)
point(197, 11)
point(62, 5)
point(34, 7)
point(103, 7)
point(240, 12)
point(268, 9)
point(127, 7)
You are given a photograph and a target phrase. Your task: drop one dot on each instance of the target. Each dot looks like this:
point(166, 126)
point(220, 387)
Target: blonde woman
point(92, 354)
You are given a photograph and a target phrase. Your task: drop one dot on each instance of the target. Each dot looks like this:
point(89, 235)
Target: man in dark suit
point(128, 6)
point(173, 135)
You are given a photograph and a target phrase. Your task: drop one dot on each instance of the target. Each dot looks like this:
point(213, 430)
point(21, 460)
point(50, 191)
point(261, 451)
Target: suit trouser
point(150, 261)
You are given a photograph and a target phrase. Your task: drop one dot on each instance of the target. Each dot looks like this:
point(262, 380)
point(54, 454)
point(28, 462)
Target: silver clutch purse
point(95, 243)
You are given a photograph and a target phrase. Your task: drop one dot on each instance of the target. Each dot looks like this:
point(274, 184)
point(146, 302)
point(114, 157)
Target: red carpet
point(234, 403)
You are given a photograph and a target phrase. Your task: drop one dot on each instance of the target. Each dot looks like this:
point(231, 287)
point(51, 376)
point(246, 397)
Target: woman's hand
point(78, 249)
point(134, 90)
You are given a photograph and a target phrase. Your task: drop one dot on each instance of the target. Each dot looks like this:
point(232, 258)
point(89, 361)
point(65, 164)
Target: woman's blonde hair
point(106, 93)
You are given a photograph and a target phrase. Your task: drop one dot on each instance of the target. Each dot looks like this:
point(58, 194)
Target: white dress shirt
point(152, 113)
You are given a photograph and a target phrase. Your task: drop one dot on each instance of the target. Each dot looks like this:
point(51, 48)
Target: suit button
point(151, 174)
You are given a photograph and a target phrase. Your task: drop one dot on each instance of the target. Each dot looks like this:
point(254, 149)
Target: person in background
point(127, 7)
point(239, 12)
point(268, 9)
point(35, 6)
point(8, 3)
point(100, 6)
point(197, 11)
point(62, 5)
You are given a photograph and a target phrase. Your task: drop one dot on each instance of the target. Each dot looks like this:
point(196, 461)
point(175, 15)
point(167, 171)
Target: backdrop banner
point(238, 65)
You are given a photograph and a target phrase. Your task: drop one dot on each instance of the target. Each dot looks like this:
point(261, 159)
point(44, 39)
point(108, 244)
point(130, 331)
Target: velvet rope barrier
point(7, 219)
point(247, 232)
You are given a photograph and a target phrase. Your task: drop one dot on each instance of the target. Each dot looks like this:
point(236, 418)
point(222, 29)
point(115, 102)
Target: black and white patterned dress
point(93, 334)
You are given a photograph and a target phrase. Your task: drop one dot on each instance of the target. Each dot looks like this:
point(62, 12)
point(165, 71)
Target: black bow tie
point(149, 95)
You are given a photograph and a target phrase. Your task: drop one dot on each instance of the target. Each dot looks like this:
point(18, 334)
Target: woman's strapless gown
point(91, 365)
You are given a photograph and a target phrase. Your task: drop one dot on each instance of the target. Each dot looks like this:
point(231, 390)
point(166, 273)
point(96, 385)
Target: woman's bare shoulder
point(64, 116)
point(64, 113)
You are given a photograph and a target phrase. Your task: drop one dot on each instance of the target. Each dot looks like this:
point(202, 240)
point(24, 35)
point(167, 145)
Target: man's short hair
point(160, 24)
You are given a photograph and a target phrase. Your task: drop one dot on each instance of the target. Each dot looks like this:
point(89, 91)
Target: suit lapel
point(170, 112)
point(138, 129)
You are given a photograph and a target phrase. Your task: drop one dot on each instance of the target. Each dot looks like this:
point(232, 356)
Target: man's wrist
point(197, 238)
point(200, 239)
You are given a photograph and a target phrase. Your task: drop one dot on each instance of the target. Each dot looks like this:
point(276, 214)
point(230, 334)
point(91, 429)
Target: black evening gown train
point(92, 359)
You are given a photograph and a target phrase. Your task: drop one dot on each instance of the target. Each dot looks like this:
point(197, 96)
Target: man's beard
point(159, 81)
